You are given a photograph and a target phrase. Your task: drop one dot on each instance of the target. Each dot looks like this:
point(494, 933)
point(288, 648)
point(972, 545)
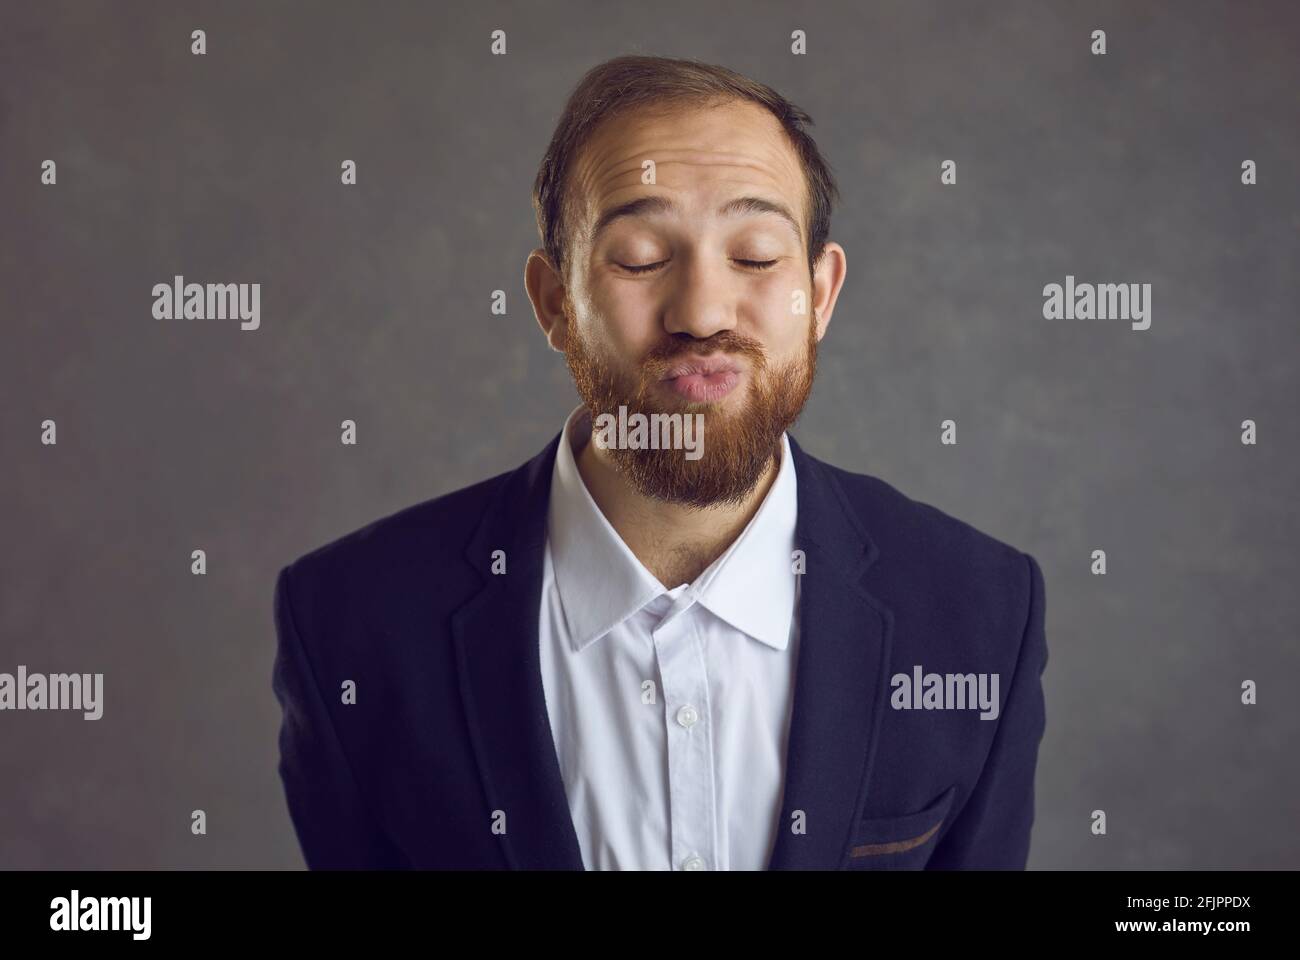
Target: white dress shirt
point(669, 709)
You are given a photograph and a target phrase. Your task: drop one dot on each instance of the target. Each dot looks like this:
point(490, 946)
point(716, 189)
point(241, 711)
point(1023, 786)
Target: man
point(710, 652)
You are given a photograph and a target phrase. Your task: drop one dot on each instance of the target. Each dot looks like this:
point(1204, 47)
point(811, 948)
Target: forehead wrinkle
point(658, 204)
point(637, 158)
point(742, 205)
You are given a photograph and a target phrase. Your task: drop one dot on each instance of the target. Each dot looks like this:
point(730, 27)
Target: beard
point(737, 445)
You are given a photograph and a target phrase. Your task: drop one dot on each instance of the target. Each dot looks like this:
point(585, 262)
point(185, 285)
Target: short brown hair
point(638, 81)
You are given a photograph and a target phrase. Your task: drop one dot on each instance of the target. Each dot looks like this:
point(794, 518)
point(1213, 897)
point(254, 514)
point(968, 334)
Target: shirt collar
point(601, 582)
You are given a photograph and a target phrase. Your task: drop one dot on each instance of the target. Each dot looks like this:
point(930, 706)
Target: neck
point(675, 542)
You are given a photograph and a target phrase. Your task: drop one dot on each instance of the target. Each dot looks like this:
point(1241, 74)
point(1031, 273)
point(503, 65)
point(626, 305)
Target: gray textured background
point(375, 306)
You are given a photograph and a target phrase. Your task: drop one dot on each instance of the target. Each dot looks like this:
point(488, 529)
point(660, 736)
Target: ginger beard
point(738, 445)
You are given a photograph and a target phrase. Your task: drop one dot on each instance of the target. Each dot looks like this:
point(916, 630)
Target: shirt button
point(687, 716)
point(693, 863)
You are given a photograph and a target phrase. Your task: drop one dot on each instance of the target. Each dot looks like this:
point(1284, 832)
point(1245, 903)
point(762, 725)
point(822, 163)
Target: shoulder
point(923, 550)
point(408, 545)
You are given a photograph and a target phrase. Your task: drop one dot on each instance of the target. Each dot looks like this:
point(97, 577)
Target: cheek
point(774, 307)
point(622, 319)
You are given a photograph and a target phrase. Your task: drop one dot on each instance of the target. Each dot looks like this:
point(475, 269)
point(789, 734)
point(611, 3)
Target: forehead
point(733, 147)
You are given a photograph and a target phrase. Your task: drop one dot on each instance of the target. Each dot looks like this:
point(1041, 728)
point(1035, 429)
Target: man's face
point(699, 298)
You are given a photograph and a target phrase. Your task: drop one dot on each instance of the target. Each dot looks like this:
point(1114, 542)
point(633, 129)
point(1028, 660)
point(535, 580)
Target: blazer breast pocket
point(904, 842)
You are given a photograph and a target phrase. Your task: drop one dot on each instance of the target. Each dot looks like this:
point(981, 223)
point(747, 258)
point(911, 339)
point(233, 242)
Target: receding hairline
point(642, 85)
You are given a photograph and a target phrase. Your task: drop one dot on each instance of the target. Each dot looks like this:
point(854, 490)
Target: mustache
point(659, 359)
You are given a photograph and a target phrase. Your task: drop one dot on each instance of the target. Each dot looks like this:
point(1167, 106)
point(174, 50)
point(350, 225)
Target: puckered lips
point(703, 379)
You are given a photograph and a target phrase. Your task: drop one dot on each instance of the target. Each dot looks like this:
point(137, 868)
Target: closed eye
point(643, 268)
point(747, 264)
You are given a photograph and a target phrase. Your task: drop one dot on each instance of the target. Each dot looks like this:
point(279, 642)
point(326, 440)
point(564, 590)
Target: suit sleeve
point(335, 830)
point(992, 831)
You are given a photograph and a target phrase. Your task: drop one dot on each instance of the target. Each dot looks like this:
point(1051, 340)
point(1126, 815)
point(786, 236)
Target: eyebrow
point(658, 203)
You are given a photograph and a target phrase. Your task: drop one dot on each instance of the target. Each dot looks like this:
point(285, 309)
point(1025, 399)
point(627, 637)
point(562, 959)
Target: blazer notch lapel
point(841, 678)
point(496, 640)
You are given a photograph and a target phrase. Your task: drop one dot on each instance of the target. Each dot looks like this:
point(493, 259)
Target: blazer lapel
point(841, 677)
point(496, 638)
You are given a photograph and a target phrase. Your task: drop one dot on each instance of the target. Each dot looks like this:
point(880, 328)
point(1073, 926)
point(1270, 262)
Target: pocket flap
point(885, 835)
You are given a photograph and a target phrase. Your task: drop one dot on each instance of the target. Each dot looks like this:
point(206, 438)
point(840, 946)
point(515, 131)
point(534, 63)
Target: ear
point(828, 278)
point(546, 292)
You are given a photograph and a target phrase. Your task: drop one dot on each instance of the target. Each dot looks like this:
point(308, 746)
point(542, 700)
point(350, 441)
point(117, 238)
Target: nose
point(701, 302)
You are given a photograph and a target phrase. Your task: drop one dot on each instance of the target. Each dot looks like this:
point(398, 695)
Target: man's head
point(685, 268)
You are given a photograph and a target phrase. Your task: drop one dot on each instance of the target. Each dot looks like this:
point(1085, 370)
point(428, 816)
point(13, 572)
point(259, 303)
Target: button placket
point(689, 741)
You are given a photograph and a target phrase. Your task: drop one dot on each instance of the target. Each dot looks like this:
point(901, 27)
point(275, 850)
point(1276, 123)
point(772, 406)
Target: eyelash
point(755, 265)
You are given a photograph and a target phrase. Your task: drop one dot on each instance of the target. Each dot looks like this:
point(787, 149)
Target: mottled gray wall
point(1073, 436)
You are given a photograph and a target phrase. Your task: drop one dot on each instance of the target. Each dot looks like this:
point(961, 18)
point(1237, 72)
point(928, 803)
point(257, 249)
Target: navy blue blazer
point(449, 722)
